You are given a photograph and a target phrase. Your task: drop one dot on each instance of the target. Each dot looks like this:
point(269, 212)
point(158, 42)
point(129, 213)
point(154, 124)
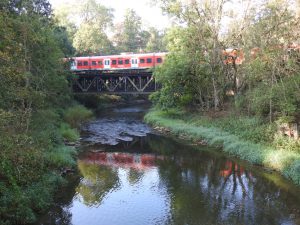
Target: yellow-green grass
point(283, 160)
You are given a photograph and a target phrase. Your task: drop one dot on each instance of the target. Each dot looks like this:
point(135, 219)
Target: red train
point(118, 62)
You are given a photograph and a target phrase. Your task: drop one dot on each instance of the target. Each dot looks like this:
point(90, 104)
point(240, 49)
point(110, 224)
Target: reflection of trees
point(161, 145)
point(135, 175)
point(57, 216)
point(96, 183)
point(60, 213)
point(211, 190)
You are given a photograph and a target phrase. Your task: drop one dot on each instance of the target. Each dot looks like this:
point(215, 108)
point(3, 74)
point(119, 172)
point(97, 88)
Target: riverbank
point(246, 138)
point(34, 161)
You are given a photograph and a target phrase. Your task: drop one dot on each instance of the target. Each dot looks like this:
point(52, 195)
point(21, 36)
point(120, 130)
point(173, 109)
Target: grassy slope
point(284, 160)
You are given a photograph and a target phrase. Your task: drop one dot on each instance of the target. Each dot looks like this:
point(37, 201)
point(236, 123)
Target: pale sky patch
point(151, 15)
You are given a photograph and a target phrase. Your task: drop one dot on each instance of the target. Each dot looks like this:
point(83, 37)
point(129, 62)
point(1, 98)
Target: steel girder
point(143, 83)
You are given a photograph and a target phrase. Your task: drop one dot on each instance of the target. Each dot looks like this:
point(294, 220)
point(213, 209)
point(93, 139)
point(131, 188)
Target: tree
point(266, 82)
point(129, 36)
point(272, 77)
point(156, 41)
point(202, 45)
point(64, 17)
point(33, 85)
point(89, 34)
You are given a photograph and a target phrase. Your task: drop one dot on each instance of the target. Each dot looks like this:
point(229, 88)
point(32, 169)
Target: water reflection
point(196, 187)
point(157, 180)
point(97, 181)
point(122, 159)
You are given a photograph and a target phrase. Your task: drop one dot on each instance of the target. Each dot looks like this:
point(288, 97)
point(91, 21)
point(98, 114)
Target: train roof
point(123, 55)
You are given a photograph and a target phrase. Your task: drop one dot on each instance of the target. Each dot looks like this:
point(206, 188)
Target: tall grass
point(68, 133)
point(234, 141)
point(60, 156)
point(77, 115)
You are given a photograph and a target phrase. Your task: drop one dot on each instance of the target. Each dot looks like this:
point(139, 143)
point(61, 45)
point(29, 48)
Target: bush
point(18, 205)
point(68, 133)
point(77, 115)
point(293, 172)
point(60, 157)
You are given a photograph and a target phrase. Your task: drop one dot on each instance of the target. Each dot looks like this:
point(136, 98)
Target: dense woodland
point(267, 82)
point(38, 114)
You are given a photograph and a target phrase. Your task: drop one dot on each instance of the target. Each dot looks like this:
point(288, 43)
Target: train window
point(149, 60)
point(94, 63)
point(142, 60)
point(99, 63)
point(126, 61)
point(106, 62)
point(79, 63)
point(159, 60)
point(85, 63)
point(114, 62)
point(134, 61)
point(120, 62)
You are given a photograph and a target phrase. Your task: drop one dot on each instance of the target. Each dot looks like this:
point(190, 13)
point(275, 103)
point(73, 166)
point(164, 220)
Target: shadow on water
point(152, 179)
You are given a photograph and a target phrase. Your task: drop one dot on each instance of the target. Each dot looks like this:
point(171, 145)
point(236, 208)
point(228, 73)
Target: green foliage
point(293, 171)
point(156, 42)
point(194, 73)
point(90, 36)
point(283, 98)
point(44, 128)
point(77, 115)
point(129, 36)
point(18, 206)
point(61, 156)
point(68, 133)
point(64, 42)
point(34, 92)
point(253, 129)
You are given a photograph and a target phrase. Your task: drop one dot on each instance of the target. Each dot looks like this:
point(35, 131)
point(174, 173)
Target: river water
point(130, 175)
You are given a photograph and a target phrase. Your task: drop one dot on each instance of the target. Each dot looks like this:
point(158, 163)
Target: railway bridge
point(133, 81)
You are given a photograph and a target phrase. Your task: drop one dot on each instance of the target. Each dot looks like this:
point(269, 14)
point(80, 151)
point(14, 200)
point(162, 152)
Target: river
point(130, 175)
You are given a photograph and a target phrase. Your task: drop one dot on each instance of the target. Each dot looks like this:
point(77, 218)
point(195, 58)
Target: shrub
point(68, 133)
point(60, 157)
point(77, 115)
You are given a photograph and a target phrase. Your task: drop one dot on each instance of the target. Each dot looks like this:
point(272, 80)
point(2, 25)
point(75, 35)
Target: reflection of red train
point(231, 168)
point(117, 62)
point(125, 160)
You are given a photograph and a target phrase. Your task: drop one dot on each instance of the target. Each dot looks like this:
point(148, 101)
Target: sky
point(151, 15)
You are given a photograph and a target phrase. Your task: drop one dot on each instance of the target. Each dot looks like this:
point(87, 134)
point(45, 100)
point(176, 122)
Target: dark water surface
point(128, 175)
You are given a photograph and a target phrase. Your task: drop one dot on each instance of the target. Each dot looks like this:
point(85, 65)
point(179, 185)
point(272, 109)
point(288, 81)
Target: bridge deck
point(114, 82)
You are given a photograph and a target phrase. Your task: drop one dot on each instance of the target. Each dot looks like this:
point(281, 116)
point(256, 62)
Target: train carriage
point(117, 62)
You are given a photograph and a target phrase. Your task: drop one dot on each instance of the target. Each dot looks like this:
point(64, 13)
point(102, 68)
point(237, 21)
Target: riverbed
point(129, 174)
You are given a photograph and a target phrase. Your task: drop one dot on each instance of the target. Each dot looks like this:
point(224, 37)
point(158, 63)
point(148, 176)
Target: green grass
point(68, 133)
point(258, 148)
point(61, 156)
point(77, 115)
